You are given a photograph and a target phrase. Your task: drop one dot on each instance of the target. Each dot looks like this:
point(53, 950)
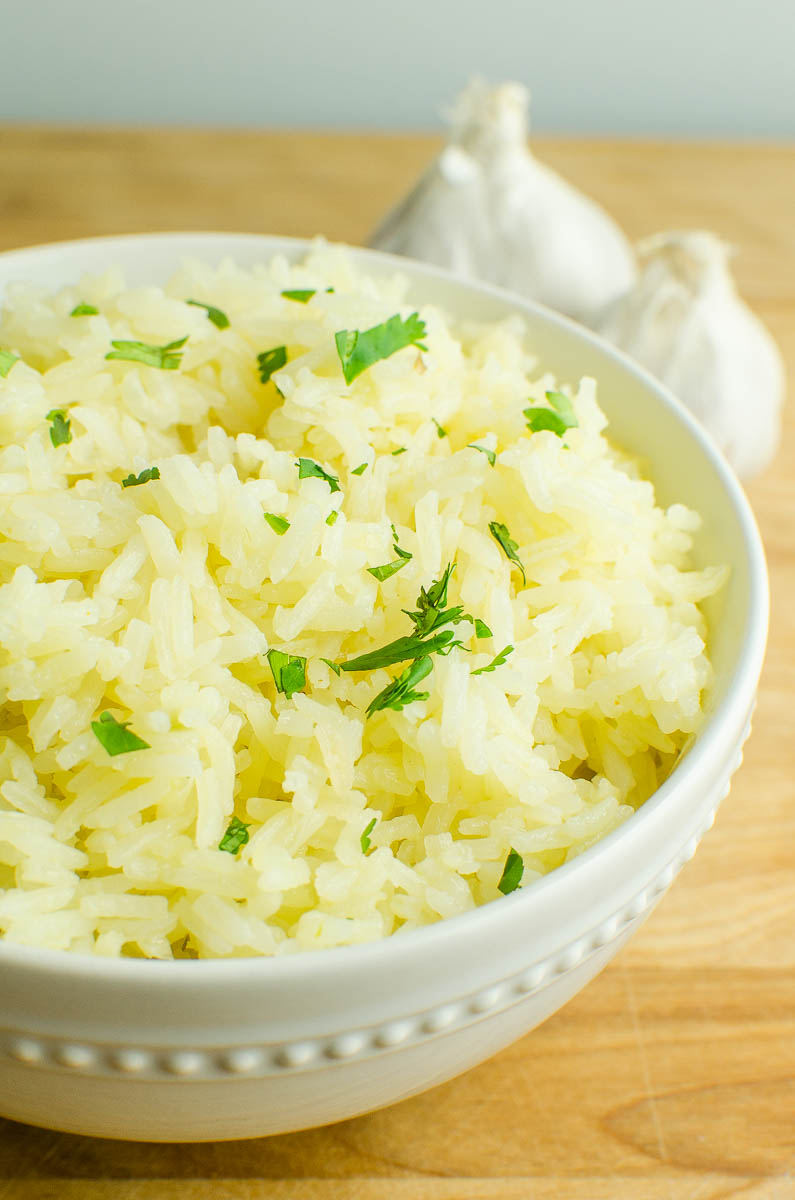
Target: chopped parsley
point(115, 737)
point(142, 477)
point(501, 535)
point(165, 358)
point(431, 612)
point(335, 668)
point(331, 519)
point(236, 836)
point(391, 568)
point(360, 470)
point(401, 650)
point(308, 468)
point(279, 525)
point(400, 450)
point(219, 319)
point(490, 454)
point(84, 310)
point(557, 419)
point(288, 670)
point(512, 873)
point(60, 427)
point(441, 432)
point(270, 361)
point(497, 661)
point(401, 691)
point(365, 838)
point(481, 629)
point(7, 360)
point(359, 349)
point(300, 295)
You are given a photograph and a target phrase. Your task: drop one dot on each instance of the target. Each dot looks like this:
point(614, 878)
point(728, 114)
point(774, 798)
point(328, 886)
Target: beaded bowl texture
point(203, 1050)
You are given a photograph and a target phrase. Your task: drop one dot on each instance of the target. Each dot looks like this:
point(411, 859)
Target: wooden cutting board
point(671, 1076)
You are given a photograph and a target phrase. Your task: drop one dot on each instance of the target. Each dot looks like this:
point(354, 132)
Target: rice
point(157, 603)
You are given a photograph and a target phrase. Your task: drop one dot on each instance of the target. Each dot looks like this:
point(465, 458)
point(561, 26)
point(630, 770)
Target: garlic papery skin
point(487, 209)
point(685, 322)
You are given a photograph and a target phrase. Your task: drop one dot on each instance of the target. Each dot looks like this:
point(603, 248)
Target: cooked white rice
point(158, 603)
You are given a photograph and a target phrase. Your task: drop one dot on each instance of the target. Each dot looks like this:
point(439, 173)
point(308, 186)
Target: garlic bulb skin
point(686, 323)
point(487, 209)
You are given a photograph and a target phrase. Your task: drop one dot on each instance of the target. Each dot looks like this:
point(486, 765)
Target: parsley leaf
point(512, 873)
point(288, 670)
point(490, 454)
point(360, 470)
point(236, 836)
point(557, 419)
point(165, 358)
point(481, 629)
point(331, 519)
point(115, 737)
point(500, 534)
point(84, 310)
point(270, 361)
point(400, 691)
point(400, 450)
point(279, 525)
point(143, 477)
point(359, 349)
point(431, 612)
point(219, 319)
point(365, 838)
point(400, 650)
point(301, 295)
point(60, 427)
point(334, 666)
point(497, 661)
point(308, 468)
point(389, 569)
point(7, 360)
point(441, 432)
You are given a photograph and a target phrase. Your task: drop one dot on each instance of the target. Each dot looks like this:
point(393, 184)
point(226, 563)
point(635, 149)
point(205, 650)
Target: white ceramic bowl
point(181, 1051)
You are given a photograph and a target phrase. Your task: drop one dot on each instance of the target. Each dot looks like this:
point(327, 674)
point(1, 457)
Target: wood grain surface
point(671, 1076)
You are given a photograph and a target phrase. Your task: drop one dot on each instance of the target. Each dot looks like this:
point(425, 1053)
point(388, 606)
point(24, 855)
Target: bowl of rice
point(375, 648)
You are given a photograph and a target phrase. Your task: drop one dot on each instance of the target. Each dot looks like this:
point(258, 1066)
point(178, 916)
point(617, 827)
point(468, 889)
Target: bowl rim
point(731, 712)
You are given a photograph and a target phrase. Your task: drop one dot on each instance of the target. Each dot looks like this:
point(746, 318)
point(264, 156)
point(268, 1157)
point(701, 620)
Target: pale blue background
point(698, 68)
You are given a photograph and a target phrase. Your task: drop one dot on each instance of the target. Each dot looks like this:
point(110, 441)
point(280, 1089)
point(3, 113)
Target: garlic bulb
point(685, 321)
point(487, 209)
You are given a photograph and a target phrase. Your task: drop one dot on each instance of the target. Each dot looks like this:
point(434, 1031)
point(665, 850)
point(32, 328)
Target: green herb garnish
point(401, 650)
point(301, 295)
point(400, 450)
point(115, 737)
point(334, 666)
point(219, 319)
point(400, 691)
point(279, 525)
point(389, 569)
point(60, 427)
point(481, 629)
point(84, 310)
point(7, 360)
point(512, 873)
point(365, 838)
point(270, 361)
point(441, 432)
point(497, 661)
point(431, 612)
point(308, 468)
point(360, 470)
point(165, 358)
point(143, 477)
point(490, 454)
point(557, 419)
point(331, 519)
point(500, 534)
point(288, 670)
point(236, 836)
point(359, 349)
